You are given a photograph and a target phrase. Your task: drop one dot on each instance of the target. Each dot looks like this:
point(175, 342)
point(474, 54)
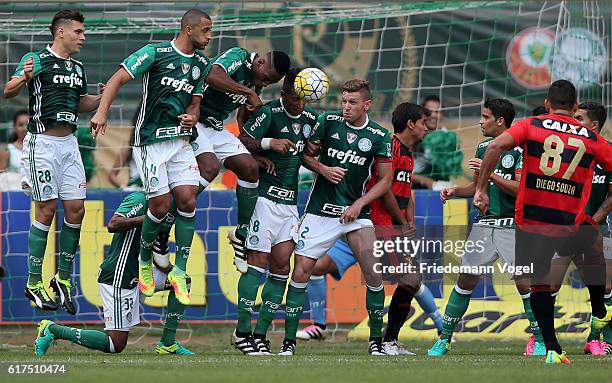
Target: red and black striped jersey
point(559, 155)
point(403, 163)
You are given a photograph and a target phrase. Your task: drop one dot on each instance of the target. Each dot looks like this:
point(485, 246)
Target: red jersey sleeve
point(603, 153)
point(518, 131)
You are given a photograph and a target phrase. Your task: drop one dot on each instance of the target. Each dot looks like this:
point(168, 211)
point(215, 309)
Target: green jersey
point(501, 205)
point(120, 267)
point(599, 191)
point(169, 79)
point(349, 147)
point(54, 91)
point(273, 121)
point(217, 105)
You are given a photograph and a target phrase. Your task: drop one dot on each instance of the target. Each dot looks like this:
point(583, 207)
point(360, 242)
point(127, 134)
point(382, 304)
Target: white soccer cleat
point(288, 348)
point(311, 332)
point(245, 345)
point(375, 348)
point(394, 348)
point(240, 257)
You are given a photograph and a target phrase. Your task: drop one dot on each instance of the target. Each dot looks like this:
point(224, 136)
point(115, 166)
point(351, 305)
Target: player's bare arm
point(509, 187)
point(217, 78)
point(385, 179)
point(605, 208)
point(120, 223)
point(100, 119)
point(120, 162)
point(333, 174)
point(501, 143)
point(14, 86)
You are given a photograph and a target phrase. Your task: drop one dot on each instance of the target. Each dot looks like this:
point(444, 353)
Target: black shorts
point(537, 250)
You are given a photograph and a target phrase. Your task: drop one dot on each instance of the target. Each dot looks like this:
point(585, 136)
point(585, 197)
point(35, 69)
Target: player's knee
point(468, 281)
point(159, 207)
point(280, 269)
point(120, 346)
point(186, 206)
point(258, 259)
point(249, 170)
point(372, 278)
point(75, 214)
point(210, 171)
point(45, 214)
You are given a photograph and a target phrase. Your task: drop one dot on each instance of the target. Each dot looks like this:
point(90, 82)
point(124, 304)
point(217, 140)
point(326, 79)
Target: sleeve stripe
point(126, 68)
point(221, 65)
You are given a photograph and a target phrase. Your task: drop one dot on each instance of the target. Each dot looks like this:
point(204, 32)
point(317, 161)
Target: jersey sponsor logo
point(296, 127)
point(258, 120)
point(195, 73)
point(139, 61)
point(564, 127)
point(309, 115)
point(499, 172)
point(365, 144)
point(164, 50)
point(234, 65)
point(351, 137)
point(44, 55)
point(170, 66)
point(333, 117)
point(178, 85)
point(134, 210)
point(237, 98)
point(599, 179)
point(507, 161)
point(376, 131)
point(185, 67)
point(403, 176)
point(299, 146)
point(172, 131)
point(66, 117)
point(281, 193)
point(71, 80)
point(202, 59)
point(284, 130)
point(307, 130)
point(350, 156)
point(335, 136)
point(330, 208)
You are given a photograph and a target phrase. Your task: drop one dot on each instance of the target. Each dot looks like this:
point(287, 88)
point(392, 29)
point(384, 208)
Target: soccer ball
point(311, 84)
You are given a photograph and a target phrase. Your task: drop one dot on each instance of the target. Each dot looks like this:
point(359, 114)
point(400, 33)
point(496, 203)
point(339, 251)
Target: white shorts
point(121, 307)
point(607, 248)
point(221, 142)
point(166, 165)
point(272, 223)
point(51, 167)
point(317, 234)
point(493, 243)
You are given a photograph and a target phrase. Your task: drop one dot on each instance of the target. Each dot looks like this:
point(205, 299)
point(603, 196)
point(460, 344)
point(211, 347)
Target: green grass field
point(329, 361)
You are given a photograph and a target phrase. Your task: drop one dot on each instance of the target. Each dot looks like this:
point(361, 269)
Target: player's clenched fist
point(98, 124)
point(188, 121)
point(282, 145)
point(28, 69)
point(446, 194)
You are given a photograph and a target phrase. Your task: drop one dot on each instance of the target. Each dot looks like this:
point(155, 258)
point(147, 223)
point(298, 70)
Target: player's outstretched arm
point(502, 142)
point(119, 223)
point(605, 208)
point(100, 119)
point(385, 179)
point(217, 78)
point(333, 174)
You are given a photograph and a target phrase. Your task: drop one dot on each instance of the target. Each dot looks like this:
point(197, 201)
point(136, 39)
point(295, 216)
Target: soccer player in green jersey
point(117, 282)
point(495, 228)
point(233, 82)
point(593, 115)
point(351, 143)
point(52, 168)
point(277, 132)
point(172, 76)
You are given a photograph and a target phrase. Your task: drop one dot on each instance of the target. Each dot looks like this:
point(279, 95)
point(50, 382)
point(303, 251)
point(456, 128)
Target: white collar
point(367, 121)
point(55, 54)
point(178, 50)
point(287, 113)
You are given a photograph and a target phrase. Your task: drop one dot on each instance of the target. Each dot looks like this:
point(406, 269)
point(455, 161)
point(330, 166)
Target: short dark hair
point(356, 85)
point(500, 107)
point(562, 95)
point(539, 111)
point(63, 16)
point(405, 112)
point(595, 111)
point(18, 113)
point(192, 17)
point(280, 61)
point(290, 79)
point(431, 97)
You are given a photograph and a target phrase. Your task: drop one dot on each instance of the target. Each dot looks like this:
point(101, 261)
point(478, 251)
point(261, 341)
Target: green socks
point(37, 244)
point(246, 193)
point(68, 242)
point(294, 306)
point(247, 293)
point(92, 339)
point(456, 307)
point(533, 324)
point(272, 297)
point(183, 230)
point(173, 317)
point(150, 228)
point(375, 304)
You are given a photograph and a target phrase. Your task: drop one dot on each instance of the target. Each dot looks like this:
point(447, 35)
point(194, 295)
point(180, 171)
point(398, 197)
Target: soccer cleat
point(441, 347)
point(311, 332)
point(161, 252)
point(175, 349)
point(44, 338)
point(375, 348)
point(245, 345)
point(63, 290)
point(594, 347)
point(177, 279)
point(598, 324)
point(263, 345)
point(395, 348)
point(146, 284)
point(534, 348)
point(288, 348)
point(553, 358)
point(240, 257)
point(37, 294)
